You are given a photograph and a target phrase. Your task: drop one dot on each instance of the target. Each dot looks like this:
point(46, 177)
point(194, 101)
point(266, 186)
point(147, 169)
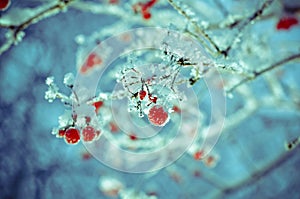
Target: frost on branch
point(143, 104)
point(71, 127)
point(150, 88)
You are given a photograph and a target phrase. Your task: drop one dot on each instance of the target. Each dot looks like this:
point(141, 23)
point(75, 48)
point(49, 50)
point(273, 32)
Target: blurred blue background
point(34, 164)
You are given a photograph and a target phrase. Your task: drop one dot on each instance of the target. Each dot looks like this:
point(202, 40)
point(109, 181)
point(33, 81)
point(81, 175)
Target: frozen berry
point(152, 99)
point(4, 4)
point(286, 23)
point(97, 105)
point(61, 133)
point(158, 116)
point(72, 136)
point(92, 60)
point(176, 109)
point(198, 155)
point(133, 137)
point(113, 127)
point(142, 94)
point(88, 133)
point(146, 15)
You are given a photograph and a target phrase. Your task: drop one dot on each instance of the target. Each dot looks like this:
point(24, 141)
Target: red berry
point(176, 109)
point(87, 120)
point(61, 133)
point(83, 69)
point(133, 137)
point(4, 4)
point(72, 136)
point(98, 132)
point(113, 127)
point(210, 161)
point(113, 1)
point(286, 23)
point(86, 156)
point(152, 99)
point(88, 134)
point(142, 94)
point(146, 15)
point(158, 116)
point(97, 105)
point(198, 155)
point(92, 60)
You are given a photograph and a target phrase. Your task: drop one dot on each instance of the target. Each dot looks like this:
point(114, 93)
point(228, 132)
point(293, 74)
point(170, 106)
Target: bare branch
point(283, 158)
point(199, 30)
point(17, 29)
point(255, 74)
point(196, 26)
point(249, 20)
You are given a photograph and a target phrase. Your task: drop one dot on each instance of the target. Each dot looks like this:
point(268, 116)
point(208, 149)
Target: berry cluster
point(71, 127)
point(72, 134)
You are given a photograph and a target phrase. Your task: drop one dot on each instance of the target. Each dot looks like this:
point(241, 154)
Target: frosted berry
point(98, 132)
point(152, 99)
point(198, 155)
point(133, 137)
point(286, 23)
point(113, 127)
point(61, 133)
point(88, 133)
point(158, 116)
point(4, 4)
point(92, 60)
point(86, 156)
point(113, 1)
point(176, 109)
point(87, 120)
point(97, 105)
point(142, 94)
point(210, 161)
point(72, 136)
point(146, 15)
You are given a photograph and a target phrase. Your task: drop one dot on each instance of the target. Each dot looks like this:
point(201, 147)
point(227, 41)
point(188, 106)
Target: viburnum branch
point(255, 74)
point(242, 26)
point(17, 29)
point(249, 20)
point(196, 26)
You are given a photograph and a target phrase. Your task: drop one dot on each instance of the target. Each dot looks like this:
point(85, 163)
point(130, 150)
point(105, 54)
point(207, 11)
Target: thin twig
point(224, 52)
point(236, 22)
point(195, 24)
point(255, 74)
point(283, 158)
point(249, 20)
point(16, 29)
